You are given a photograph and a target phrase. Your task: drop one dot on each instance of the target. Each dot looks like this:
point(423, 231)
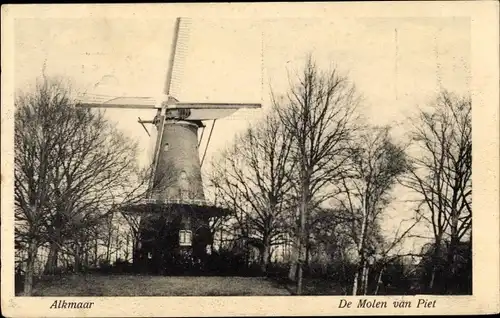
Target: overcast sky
point(396, 64)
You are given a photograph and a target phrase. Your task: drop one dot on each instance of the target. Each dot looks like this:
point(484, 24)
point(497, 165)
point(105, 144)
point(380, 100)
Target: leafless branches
point(375, 162)
point(71, 168)
point(319, 114)
point(442, 171)
point(253, 177)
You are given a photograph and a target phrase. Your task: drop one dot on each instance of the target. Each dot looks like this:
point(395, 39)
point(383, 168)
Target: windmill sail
point(117, 102)
point(211, 111)
point(173, 50)
point(216, 105)
point(178, 52)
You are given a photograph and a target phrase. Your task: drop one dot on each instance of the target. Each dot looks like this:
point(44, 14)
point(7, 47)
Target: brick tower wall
point(178, 173)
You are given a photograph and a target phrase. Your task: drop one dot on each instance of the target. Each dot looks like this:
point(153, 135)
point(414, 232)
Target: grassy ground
point(314, 286)
point(137, 285)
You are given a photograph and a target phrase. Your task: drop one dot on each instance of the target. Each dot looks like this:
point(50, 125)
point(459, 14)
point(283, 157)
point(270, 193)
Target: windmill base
point(161, 249)
point(174, 237)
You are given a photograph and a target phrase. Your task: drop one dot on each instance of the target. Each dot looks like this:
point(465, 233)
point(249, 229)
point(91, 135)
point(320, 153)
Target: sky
point(395, 63)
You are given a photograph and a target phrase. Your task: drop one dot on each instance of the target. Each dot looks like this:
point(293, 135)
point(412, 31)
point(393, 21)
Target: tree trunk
point(292, 274)
point(283, 252)
point(51, 264)
point(451, 263)
point(77, 258)
point(365, 278)
point(302, 232)
point(355, 283)
point(379, 280)
point(452, 249)
point(300, 270)
point(361, 251)
point(300, 267)
point(308, 256)
point(108, 246)
point(86, 259)
point(220, 246)
point(264, 257)
point(135, 254)
point(435, 263)
point(433, 275)
point(127, 247)
point(30, 268)
point(96, 246)
point(248, 256)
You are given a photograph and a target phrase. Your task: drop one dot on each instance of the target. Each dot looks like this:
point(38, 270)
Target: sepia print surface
point(168, 150)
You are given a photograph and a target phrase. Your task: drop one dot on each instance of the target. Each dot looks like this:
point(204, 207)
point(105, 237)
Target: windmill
point(175, 215)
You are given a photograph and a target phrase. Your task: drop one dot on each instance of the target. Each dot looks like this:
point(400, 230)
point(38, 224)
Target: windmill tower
point(174, 219)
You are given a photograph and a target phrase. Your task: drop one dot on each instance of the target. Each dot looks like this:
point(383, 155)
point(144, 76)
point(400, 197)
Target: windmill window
point(165, 147)
point(185, 238)
point(183, 185)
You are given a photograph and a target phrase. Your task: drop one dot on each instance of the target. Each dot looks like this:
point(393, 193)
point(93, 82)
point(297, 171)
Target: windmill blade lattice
point(177, 59)
point(245, 114)
point(102, 101)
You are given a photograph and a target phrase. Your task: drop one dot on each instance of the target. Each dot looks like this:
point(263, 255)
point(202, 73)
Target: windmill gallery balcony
point(200, 208)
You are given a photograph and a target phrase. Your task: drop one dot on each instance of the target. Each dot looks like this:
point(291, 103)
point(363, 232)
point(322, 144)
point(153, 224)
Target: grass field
point(137, 285)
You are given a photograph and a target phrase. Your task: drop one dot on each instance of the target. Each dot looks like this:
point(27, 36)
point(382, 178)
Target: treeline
point(313, 175)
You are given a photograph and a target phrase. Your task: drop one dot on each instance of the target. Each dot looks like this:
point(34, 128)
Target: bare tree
point(442, 173)
point(71, 166)
point(318, 113)
point(330, 238)
point(255, 172)
point(95, 167)
point(375, 164)
point(390, 250)
point(35, 141)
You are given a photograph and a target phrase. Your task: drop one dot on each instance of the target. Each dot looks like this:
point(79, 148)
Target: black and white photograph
point(163, 154)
